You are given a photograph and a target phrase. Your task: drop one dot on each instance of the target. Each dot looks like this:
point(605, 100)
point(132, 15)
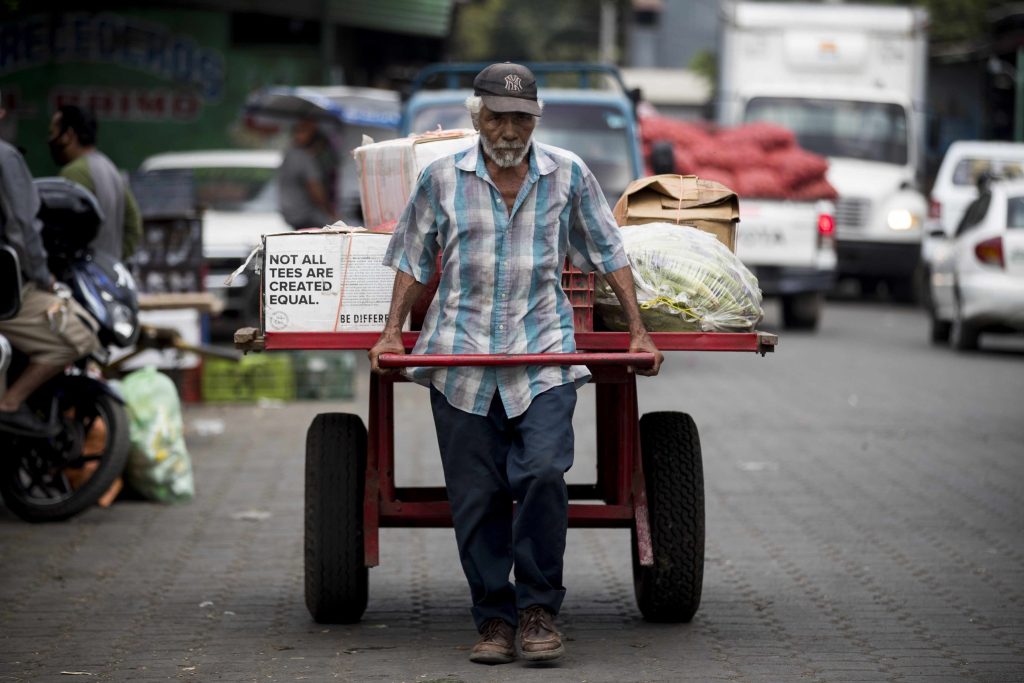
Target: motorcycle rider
point(52, 330)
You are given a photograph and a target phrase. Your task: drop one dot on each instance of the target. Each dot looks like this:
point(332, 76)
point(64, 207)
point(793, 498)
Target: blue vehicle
point(587, 110)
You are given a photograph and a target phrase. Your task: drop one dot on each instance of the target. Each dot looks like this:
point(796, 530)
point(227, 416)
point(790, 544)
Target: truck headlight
point(901, 220)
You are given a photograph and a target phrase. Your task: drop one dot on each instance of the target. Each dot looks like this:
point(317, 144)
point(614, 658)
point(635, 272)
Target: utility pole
point(1018, 97)
point(329, 73)
point(609, 24)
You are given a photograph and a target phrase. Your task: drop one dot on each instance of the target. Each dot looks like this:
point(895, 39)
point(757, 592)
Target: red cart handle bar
point(399, 360)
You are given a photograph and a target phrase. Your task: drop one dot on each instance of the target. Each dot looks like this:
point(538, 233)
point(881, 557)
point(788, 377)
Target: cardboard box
point(388, 170)
point(326, 281)
point(687, 200)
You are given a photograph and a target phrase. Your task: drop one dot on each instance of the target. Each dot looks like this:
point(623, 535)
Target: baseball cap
point(507, 87)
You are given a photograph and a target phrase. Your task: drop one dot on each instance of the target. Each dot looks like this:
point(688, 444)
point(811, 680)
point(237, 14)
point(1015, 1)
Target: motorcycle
point(56, 475)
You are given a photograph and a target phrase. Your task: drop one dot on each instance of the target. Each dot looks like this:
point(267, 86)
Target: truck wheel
point(801, 311)
point(336, 575)
point(670, 590)
point(905, 290)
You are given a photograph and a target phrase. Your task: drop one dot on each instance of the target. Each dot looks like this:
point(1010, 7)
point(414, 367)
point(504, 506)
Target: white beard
point(505, 156)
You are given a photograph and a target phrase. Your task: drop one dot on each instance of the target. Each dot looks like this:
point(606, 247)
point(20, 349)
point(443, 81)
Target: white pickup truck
point(790, 246)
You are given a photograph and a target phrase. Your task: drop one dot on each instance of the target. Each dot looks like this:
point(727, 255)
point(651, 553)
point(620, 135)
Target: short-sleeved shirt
point(298, 168)
point(500, 289)
point(122, 221)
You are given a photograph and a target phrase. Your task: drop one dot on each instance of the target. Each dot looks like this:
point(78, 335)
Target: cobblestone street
point(854, 534)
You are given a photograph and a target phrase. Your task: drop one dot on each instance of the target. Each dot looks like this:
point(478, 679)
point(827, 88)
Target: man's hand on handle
point(387, 343)
point(404, 293)
point(621, 282)
point(641, 342)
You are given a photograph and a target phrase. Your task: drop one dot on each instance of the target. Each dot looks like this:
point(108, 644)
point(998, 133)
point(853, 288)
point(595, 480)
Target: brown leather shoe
point(496, 644)
point(539, 640)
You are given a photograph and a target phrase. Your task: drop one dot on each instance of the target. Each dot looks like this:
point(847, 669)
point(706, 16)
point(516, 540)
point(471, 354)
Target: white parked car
point(237, 191)
point(977, 279)
point(956, 183)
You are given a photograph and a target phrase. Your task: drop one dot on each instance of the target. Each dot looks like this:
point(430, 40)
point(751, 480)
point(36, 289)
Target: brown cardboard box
point(685, 199)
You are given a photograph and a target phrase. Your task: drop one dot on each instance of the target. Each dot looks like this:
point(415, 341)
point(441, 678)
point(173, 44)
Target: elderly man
point(503, 215)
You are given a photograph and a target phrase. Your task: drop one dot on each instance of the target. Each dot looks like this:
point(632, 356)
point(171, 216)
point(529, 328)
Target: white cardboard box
point(388, 170)
point(326, 281)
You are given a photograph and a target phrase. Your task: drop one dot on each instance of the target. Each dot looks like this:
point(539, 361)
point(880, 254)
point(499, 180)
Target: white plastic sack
point(686, 280)
point(159, 466)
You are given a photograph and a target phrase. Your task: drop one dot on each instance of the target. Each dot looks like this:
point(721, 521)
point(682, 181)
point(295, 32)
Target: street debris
point(755, 466)
point(251, 515)
point(208, 427)
point(269, 402)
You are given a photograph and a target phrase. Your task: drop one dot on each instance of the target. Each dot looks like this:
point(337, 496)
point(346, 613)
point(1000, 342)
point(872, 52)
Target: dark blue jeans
point(491, 461)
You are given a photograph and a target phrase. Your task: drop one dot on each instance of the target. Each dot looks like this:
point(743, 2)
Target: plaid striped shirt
point(501, 287)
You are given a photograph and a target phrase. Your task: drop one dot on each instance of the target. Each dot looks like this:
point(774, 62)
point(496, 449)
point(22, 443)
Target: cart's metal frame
point(620, 482)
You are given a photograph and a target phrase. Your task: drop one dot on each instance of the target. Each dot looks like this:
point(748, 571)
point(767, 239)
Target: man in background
point(73, 146)
point(302, 188)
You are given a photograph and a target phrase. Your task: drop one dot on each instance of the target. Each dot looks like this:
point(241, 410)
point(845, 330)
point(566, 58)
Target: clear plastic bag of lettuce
point(686, 280)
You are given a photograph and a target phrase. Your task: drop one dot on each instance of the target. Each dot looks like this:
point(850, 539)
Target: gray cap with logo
point(507, 87)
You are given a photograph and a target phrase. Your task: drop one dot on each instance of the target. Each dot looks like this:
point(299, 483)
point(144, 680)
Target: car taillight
point(934, 209)
point(990, 251)
point(826, 225)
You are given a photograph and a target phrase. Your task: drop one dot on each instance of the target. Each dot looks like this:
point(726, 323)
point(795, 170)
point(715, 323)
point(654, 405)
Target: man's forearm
point(621, 282)
point(403, 295)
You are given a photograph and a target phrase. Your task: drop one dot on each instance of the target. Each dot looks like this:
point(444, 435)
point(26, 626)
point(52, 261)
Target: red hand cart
point(649, 472)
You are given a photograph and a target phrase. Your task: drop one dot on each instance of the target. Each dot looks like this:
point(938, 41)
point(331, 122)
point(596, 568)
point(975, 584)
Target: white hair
point(474, 103)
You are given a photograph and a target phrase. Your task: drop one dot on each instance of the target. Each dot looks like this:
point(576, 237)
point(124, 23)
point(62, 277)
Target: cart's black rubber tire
point(670, 590)
point(336, 575)
point(802, 311)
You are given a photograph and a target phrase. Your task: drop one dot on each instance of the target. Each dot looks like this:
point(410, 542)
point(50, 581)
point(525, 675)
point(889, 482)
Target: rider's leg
point(34, 376)
point(52, 332)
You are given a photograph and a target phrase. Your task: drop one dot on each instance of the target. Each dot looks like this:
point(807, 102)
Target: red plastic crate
point(579, 287)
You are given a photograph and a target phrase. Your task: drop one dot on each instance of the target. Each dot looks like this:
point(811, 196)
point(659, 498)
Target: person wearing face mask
point(73, 147)
point(503, 215)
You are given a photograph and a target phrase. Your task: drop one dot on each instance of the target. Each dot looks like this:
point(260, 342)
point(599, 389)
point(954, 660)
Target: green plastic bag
point(159, 467)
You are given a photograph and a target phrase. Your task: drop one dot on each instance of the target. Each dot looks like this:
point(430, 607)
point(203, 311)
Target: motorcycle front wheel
point(48, 480)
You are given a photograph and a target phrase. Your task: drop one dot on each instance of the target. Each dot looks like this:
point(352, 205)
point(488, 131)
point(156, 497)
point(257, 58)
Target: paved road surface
point(865, 523)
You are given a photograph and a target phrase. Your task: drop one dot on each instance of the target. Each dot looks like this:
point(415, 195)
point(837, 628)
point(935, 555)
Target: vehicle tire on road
point(802, 311)
point(963, 336)
point(22, 476)
point(336, 576)
point(670, 590)
point(940, 329)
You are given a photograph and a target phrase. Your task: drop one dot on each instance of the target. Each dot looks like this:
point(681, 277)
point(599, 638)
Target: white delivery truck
point(849, 81)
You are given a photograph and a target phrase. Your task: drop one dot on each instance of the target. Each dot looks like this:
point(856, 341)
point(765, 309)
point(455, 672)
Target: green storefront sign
point(158, 80)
